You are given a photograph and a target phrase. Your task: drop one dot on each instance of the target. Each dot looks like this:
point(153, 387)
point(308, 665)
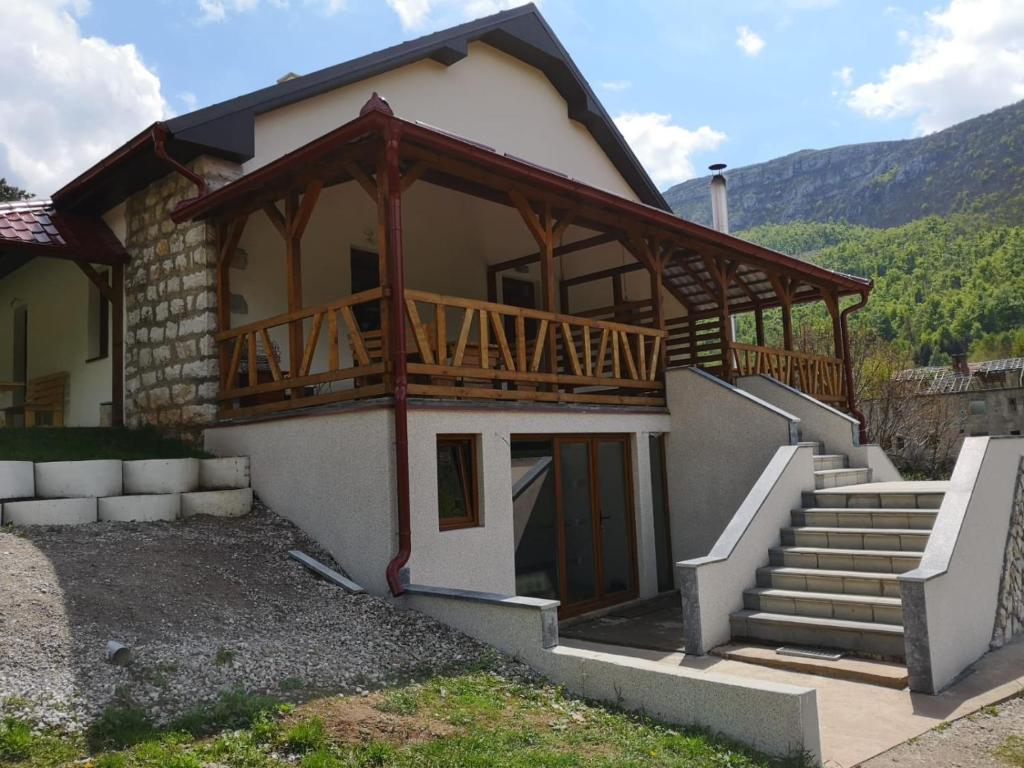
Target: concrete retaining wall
point(713, 461)
point(75, 492)
point(712, 587)
point(820, 423)
point(950, 600)
point(777, 719)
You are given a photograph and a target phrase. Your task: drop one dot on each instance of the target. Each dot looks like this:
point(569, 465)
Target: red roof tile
point(29, 221)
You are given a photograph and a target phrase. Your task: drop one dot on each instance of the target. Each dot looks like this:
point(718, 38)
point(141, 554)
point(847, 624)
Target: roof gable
point(227, 129)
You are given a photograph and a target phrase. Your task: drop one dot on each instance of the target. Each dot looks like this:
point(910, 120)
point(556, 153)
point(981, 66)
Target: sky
point(689, 82)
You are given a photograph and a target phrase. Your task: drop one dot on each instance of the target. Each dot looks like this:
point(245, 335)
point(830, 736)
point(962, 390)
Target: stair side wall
point(951, 601)
point(722, 438)
point(1010, 612)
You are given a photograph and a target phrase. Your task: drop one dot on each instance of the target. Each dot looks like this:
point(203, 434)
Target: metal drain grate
point(824, 654)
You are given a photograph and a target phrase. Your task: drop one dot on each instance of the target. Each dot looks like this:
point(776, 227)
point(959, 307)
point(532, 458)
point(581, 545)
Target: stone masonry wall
point(1010, 611)
point(171, 365)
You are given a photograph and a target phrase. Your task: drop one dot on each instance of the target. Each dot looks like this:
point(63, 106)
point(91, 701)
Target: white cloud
point(970, 60)
point(663, 148)
point(616, 85)
point(749, 41)
point(845, 76)
point(189, 100)
point(212, 11)
point(68, 100)
point(419, 14)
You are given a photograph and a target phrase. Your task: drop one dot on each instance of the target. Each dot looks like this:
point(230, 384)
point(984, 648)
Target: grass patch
point(1011, 751)
point(79, 443)
point(475, 719)
point(223, 656)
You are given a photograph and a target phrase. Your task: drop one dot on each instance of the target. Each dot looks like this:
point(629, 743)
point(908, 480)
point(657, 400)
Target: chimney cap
point(717, 167)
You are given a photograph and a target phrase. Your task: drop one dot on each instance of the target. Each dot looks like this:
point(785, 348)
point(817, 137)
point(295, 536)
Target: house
point(434, 296)
point(927, 412)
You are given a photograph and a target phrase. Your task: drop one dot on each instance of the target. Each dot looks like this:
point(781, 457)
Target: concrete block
point(50, 512)
point(224, 474)
point(231, 503)
point(17, 480)
point(77, 479)
point(158, 476)
point(140, 508)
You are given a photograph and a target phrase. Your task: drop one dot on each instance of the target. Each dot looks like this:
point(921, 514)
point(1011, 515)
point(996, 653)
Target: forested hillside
point(976, 167)
point(942, 285)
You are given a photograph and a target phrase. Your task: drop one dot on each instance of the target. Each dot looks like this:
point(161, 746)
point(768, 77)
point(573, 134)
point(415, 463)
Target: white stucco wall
point(483, 558)
point(332, 475)
point(489, 97)
point(722, 439)
point(56, 293)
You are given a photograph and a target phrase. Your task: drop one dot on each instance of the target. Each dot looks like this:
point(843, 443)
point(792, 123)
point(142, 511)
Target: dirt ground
point(991, 738)
point(207, 606)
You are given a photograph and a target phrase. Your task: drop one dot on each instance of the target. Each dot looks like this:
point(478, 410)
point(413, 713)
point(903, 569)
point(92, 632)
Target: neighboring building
point(945, 404)
point(439, 323)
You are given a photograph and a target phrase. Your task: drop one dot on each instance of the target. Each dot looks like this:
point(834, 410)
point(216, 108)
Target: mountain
point(973, 167)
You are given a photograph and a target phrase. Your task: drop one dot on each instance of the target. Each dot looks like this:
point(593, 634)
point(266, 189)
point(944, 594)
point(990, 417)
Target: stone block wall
point(1010, 611)
point(171, 364)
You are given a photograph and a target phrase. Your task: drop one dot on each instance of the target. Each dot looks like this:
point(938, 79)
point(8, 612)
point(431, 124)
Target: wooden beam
point(293, 278)
point(98, 280)
point(759, 325)
point(590, 277)
point(274, 214)
point(784, 291)
point(356, 172)
point(229, 240)
point(117, 342)
point(297, 226)
point(541, 233)
point(832, 303)
point(562, 250)
point(413, 175)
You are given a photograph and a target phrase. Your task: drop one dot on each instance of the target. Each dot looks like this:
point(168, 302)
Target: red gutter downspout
point(159, 133)
point(851, 400)
point(398, 357)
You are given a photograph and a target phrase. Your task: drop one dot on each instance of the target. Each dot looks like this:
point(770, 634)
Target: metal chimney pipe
point(719, 199)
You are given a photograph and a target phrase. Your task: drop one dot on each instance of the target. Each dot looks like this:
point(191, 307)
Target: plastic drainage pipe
point(397, 308)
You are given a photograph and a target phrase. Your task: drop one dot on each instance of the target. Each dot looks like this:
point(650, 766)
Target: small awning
point(33, 228)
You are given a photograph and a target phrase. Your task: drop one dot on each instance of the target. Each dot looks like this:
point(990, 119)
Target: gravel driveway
point(206, 605)
point(991, 738)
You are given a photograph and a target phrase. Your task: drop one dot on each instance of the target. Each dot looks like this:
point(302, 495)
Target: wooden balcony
point(457, 348)
point(816, 375)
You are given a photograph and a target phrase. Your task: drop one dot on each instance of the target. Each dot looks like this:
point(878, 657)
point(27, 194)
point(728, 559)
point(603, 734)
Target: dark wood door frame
point(601, 600)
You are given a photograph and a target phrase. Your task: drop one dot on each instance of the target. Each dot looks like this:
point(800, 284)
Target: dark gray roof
point(227, 129)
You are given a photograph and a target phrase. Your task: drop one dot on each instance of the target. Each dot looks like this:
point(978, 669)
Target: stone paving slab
point(859, 721)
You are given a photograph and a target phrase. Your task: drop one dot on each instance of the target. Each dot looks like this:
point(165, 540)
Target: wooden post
point(722, 275)
point(229, 236)
point(117, 354)
point(384, 270)
point(759, 325)
point(831, 300)
point(784, 291)
point(542, 229)
point(293, 276)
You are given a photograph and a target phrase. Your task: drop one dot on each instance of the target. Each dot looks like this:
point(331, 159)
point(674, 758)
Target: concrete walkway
point(859, 721)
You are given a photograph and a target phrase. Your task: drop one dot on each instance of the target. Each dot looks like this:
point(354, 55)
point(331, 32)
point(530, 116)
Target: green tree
point(9, 192)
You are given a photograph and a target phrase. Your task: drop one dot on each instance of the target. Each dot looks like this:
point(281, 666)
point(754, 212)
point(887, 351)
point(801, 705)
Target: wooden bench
point(43, 395)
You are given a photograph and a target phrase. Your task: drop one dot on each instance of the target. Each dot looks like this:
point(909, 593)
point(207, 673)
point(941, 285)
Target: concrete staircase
point(832, 583)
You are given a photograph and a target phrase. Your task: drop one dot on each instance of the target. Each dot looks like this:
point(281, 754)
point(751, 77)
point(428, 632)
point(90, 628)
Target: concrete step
point(833, 478)
point(818, 448)
point(916, 519)
point(830, 461)
point(870, 672)
point(831, 581)
point(858, 637)
point(890, 539)
point(825, 605)
point(888, 495)
point(864, 560)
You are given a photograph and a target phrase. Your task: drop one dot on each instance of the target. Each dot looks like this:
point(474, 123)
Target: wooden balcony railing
point(253, 379)
point(818, 376)
point(504, 353)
